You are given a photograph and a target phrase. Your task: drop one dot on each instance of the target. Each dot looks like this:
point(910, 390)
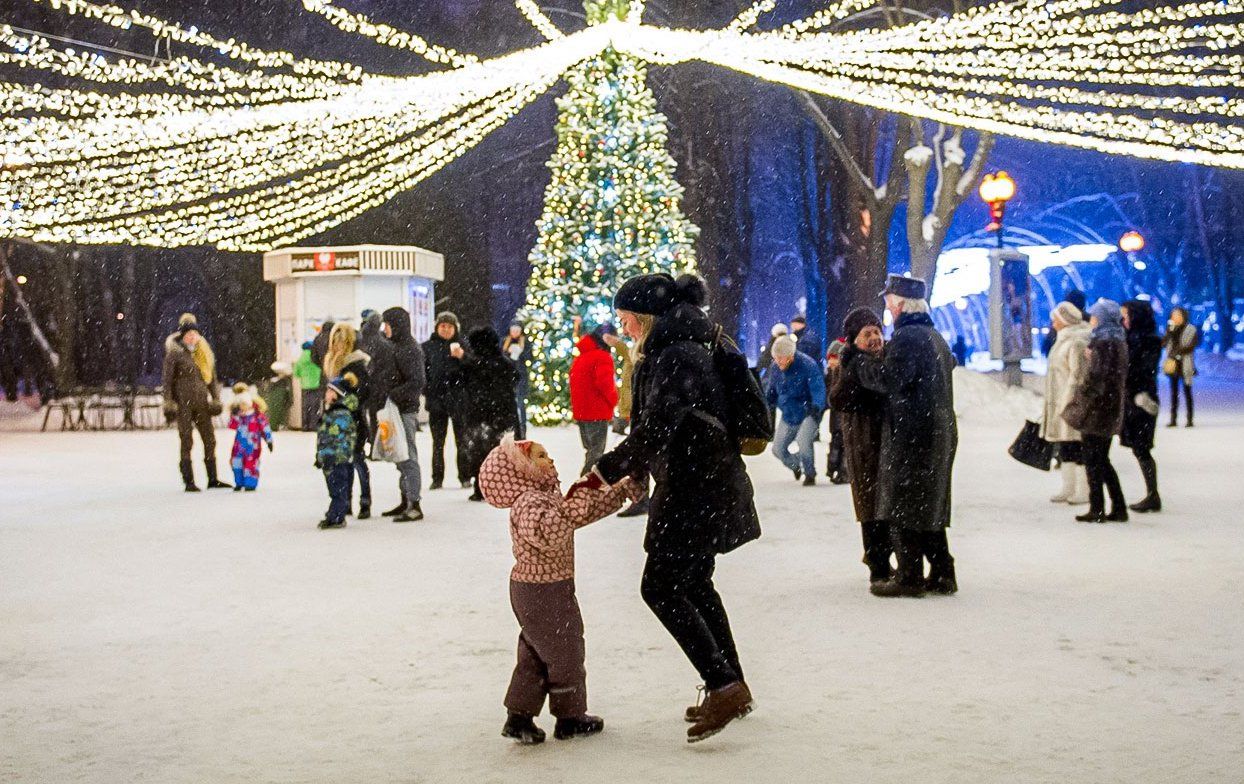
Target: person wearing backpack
point(684, 434)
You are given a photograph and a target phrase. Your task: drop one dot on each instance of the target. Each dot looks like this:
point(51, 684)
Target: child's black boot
point(523, 729)
point(578, 727)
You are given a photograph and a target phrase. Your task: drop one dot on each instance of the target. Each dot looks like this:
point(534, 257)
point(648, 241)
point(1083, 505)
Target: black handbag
point(1031, 449)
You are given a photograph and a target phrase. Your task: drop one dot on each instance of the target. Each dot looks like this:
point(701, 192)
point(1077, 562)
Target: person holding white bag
point(411, 378)
point(1066, 364)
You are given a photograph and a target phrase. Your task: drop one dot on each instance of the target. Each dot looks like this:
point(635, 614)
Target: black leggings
point(1100, 472)
point(679, 591)
point(1148, 468)
point(1176, 380)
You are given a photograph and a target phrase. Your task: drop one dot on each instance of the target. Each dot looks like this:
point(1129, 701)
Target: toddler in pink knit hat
point(521, 476)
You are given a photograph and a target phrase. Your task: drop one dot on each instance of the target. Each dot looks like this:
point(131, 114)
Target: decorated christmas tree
point(611, 211)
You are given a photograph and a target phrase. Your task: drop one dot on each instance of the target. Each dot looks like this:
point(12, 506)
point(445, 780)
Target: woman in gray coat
point(1181, 342)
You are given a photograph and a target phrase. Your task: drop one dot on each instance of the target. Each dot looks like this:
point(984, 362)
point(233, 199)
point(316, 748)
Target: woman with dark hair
point(489, 379)
point(701, 504)
point(1096, 410)
point(1181, 342)
point(1140, 398)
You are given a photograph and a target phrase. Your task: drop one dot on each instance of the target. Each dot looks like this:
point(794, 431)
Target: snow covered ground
point(150, 635)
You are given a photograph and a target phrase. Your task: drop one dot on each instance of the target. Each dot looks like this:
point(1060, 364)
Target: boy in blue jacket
point(334, 446)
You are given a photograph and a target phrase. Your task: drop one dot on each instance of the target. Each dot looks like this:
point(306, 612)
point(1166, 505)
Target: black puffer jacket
point(382, 371)
point(444, 390)
point(490, 412)
point(1144, 355)
point(359, 363)
point(920, 436)
point(702, 497)
point(319, 346)
point(409, 374)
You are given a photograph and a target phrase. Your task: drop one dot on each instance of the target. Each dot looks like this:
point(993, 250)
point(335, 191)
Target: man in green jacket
point(308, 375)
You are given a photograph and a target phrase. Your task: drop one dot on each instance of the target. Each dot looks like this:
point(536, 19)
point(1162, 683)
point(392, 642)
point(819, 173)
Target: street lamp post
point(1010, 295)
point(996, 189)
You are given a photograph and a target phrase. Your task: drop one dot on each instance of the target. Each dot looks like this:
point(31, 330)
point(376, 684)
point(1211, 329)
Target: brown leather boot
point(693, 712)
point(719, 709)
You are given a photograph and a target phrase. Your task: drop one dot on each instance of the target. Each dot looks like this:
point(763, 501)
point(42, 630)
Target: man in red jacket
point(593, 393)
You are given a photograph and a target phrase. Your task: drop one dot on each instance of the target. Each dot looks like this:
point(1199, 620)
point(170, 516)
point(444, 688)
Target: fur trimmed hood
point(508, 474)
point(204, 357)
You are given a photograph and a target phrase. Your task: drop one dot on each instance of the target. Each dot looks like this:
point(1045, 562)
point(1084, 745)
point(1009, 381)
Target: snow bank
point(985, 399)
point(20, 414)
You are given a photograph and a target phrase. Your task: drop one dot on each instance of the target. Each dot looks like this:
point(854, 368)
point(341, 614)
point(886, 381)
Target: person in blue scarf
point(1096, 410)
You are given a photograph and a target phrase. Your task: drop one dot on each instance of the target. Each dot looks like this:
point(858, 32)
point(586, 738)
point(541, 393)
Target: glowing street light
point(996, 189)
point(1131, 242)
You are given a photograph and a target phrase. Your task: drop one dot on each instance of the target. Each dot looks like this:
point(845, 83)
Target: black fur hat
point(659, 293)
point(855, 322)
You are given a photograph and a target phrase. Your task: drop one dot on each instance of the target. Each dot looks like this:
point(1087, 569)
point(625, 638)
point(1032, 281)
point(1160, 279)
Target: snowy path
point(148, 635)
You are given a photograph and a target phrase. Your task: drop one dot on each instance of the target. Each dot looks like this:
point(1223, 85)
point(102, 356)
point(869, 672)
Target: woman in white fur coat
point(1066, 362)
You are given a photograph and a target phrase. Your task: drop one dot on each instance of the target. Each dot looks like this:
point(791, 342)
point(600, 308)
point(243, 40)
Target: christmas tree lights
point(612, 210)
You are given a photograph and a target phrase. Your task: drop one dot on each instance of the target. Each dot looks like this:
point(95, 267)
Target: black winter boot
point(908, 580)
point(523, 729)
point(397, 510)
point(187, 476)
point(412, 514)
point(941, 577)
point(578, 727)
point(213, 482)
point(364, 508)
point(877, 549)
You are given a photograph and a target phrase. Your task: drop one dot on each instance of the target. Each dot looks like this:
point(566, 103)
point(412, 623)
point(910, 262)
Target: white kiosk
point(314, 285)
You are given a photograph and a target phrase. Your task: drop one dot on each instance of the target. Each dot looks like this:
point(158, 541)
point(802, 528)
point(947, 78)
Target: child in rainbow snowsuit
point(249, 420)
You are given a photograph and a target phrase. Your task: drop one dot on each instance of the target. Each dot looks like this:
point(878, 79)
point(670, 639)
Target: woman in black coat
point(1096, 410)
point(862, 414)
point(701, 503)
point(1140, 396)
point(490, 411)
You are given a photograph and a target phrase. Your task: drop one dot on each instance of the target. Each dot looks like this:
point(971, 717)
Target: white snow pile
point(20, 414)
point(985, 399)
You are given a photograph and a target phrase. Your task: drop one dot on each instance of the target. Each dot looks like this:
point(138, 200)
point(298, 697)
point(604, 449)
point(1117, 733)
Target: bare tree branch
point(840, 148)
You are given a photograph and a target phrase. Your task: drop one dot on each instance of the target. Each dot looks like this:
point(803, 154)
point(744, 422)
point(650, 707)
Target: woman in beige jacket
point(1066, 362)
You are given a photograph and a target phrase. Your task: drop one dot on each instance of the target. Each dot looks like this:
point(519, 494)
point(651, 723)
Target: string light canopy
point(244, 148)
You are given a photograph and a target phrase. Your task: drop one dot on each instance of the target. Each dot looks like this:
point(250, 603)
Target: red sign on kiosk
point(324, 261)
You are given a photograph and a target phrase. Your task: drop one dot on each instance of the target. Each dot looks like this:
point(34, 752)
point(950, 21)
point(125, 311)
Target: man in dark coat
point(806, 341)
point(918, 441)
point(446, 397)
point(381, 371)
point(409, 381)
point(701, 503)
point(862, 414)
point(490, 410)
point(191, 398)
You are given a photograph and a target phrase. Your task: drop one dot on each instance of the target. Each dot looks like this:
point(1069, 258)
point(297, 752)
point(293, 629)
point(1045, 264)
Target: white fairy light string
point(538, 20)
point(274, 147)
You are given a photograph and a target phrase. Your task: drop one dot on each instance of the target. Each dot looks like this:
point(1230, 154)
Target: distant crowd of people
point(687, 405)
